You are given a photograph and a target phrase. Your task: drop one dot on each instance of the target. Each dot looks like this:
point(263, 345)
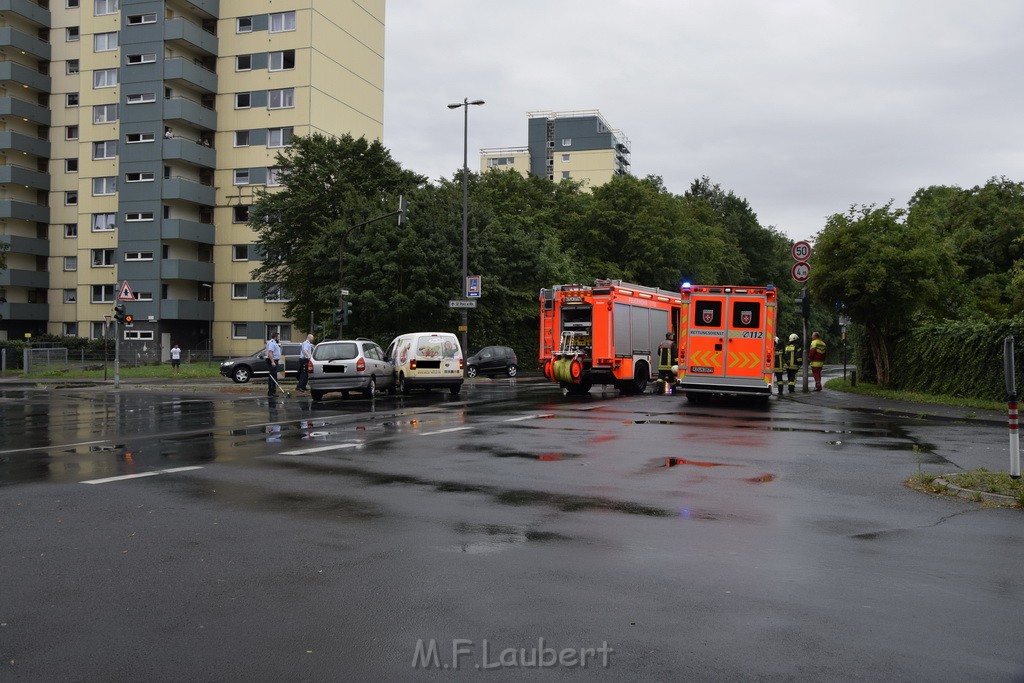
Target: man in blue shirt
point(273, 362)
point(305, 354)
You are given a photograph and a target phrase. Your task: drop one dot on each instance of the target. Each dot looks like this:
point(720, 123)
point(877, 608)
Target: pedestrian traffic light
point(119, 313)
point(348, 312)
point(802, 304)
point(128, 319)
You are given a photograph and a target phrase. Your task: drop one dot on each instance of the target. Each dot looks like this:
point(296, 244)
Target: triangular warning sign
point(126, 293)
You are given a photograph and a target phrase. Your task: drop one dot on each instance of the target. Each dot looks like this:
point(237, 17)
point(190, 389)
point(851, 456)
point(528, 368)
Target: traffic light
point(119, 314)
point(336, 316)
point(403, 207)
point(347, 312)
point(128, 319)
point(803, 306)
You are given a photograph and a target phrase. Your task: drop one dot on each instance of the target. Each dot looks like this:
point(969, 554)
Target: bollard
point(853, 377)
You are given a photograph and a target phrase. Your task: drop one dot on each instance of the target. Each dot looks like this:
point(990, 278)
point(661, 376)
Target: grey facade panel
point(260, 60)
point(261, 22)
point(258, 136)
point(259, 98)
point(585, 134)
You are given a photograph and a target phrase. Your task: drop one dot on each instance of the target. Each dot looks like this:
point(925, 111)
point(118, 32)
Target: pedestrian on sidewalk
point(816, 356)
point(273, 362)
point(175, 359)
point(794, 357)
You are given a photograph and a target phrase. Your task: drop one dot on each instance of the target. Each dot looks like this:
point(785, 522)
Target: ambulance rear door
point(745, 320)
point(705, 339)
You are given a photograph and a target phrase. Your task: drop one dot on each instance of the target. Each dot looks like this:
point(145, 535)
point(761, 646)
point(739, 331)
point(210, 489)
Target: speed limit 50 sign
point(801, 251)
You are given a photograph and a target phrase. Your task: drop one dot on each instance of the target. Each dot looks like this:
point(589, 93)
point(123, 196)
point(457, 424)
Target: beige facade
point(147, 142)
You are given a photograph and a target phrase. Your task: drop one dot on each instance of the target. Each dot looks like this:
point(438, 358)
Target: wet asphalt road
point(285, 541)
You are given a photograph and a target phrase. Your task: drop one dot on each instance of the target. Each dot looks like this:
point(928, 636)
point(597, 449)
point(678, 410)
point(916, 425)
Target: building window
point(70, 329)
point(136, 19)
point(71, 4)
point(104, 186)
point(105, 149)
point(141, 98)
point(243, 63)
point(103, 258)
point(243, 25)
point(276, 294)
point(70, 263)
point(71, 165)
point(240, 252)
point(240, 214)
point(72, 34)
point(102, 294)
point(279, 137)
point(281, 99)
point(71, 198)
point(273, 177)
point(241, 138)
point(138, 256)
point(282, 61)
point(138, 335)
point(71, 133)
point(284, 330)
point(138, 216)
point(565, 174)
point(71, 67)
point(104, 113)
point(565, 157)
point(71, 230)
point(140, 177)
point(239, 290)
point(102, 7)
point(243, 100)
point(241, 176)
point(104, 78)
point(71, 296)
point(104, 222)
point(104, 42)
point(136, 138)
point(566, 142)
point(239, 330)
point(147, 58)
point(143, 296)
point(71, 99)
point(282, 21)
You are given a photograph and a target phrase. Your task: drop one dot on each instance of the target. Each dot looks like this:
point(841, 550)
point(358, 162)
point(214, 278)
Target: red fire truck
point(727, 340)
point(605, 333)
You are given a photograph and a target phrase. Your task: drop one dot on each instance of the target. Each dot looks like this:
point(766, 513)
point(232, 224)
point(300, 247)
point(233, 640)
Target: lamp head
point(455, 106)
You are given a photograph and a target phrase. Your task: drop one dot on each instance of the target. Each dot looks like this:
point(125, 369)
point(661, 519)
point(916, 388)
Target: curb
point(971, 494)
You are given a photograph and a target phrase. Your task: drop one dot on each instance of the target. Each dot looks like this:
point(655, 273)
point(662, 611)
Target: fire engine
point(605, 333)
point(727, 340)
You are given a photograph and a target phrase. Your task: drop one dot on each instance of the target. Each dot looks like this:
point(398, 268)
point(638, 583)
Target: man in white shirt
point(273, 362)
point(305, 355)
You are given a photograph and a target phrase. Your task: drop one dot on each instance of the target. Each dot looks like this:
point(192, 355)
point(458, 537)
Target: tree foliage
point(885, 271)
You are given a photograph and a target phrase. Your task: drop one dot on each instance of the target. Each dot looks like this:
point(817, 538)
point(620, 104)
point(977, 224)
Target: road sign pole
point(804, 342)
point(1011, 399)
point(117, 356)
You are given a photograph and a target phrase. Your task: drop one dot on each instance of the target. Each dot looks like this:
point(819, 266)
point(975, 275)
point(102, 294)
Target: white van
point(425, 360)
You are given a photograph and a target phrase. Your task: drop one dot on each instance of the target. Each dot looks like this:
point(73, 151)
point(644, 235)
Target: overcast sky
point(802, 107)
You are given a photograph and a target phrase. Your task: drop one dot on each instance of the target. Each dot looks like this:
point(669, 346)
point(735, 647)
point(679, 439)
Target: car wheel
point(371, 388)
point(403, 386)
point(316, 395)
point(512, 371)
point(471, 371)
point(241, 374)
point(455, 389)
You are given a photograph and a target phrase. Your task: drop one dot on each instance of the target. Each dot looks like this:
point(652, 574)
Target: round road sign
point(801, 250)
point(801, 270)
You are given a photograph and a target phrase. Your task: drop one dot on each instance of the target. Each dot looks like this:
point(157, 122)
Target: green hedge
point(958, 358)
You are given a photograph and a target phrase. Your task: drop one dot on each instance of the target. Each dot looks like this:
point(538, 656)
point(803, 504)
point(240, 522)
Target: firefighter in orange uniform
point(816, 356)
point(794, 357)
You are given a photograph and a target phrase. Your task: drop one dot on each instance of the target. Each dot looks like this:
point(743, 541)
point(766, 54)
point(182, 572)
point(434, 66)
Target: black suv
point(241, 370)
point(491, 361)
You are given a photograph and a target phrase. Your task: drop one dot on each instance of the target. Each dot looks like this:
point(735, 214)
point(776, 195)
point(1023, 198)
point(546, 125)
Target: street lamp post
point(465, 104)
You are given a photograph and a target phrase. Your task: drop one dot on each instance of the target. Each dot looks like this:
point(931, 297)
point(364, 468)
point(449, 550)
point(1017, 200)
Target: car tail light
point(412, 364)
point(309, 367)
point(360, 365)
point(462, 364)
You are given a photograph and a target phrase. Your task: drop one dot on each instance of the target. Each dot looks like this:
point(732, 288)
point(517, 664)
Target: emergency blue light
point(686, 285)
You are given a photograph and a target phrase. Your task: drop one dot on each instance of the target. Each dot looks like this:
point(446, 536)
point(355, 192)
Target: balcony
point(30, 279)
point(28, 10)
point(185, 309)
point(36, 213)
point(11, 141)
point(24, 311)
point(13, 38)
point(189, 151)
point(193, 75)
point(184, 269)
point(208, 7)
point(191, 112)
point(27, 245)
point(12, 106)
point(19, 175)
point(188, 190)
point(22, 75)
point(190, 231)
point(183, 31)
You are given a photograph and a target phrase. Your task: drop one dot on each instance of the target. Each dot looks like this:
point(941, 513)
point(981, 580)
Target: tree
point(886, 271)
point(329, 185)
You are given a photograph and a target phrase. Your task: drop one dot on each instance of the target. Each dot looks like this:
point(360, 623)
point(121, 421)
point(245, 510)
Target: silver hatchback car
point(349, 365)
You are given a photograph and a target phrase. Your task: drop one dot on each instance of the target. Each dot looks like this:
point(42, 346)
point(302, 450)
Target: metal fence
point(39, 360)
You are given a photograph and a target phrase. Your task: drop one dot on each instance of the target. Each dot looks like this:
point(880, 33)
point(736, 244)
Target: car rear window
point(342, 351)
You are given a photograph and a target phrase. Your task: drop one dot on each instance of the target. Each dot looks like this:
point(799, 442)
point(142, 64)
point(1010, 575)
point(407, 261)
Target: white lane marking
point(143, 474)
point(54, 447)
point(321, 449)
point(603, 405)
point(445, 431)
point(529, 417)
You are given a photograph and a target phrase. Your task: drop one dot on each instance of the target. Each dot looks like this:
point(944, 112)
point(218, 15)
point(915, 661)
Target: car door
point(485, 360)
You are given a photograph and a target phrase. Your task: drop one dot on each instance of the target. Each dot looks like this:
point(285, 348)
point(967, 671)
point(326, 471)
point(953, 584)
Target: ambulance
point(726, 340)
point(605, 333)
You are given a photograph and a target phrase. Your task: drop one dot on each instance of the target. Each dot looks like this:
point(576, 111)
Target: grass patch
point(200, 370)
point(977, 481)
point(868, 389)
